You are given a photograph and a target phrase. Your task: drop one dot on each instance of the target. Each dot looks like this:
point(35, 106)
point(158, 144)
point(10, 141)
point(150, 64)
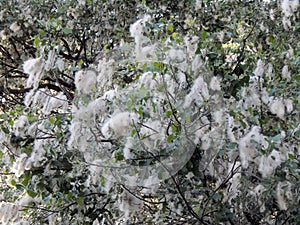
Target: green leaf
point(232, 145)
point(221, 152)
point(80, 201)
point(169, 113)
point(170, 138)
point(4, 117)
point(291, 156)
point(170, 28)
point(36, 41)
point(102, 181)
point(296, 78)
point(119, 156)
point(13, 183)
point(5, 130)
point(31, 193)
point(41, 32)
point(27, 177)
point(52, 120)
point(204, 35)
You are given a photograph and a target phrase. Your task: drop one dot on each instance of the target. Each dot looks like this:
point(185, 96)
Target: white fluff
point(105, 73)
point(50, 63)
point(9, 212)
point(280, 192)
point(289, 105)
point(286, 74)
point(15, 27)
point(277, 107)
point(199, 92)
point(127, 148)
point(119, 125)
point(19, 125)
point(136, 31)
point(175, 55)
point(154, 135)
point(19, 165)
point(34, 68)
point(60, 64)
point(129, 204)
point(247, 145)
point(56, 102)
point(215, 84)
point(289, 7)
point(268, 164)
point(260, 68)
point(85, 81)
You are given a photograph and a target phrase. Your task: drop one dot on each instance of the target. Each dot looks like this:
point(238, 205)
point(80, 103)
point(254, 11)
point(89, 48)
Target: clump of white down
point(280, 106)
point(105, 73)
point(20, 125)
point(154, 135)
point(47, 100)
point(19, 165)
point(286, 74)
point(9, 213)
point(283, 194)
point(288, 8)
point(257, 193)
point(129, 204)
point(119, 125)
point(85, 81)
point(256, 94)
point(136, 30)
point(51, 103)
point(24, 162)
point(248, 145)
point(35, 69)
point(199, 92)
point(268, 164)
point(15, 27)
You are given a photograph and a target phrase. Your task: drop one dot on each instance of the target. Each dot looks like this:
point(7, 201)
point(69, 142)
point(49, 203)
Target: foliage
point(159, 112)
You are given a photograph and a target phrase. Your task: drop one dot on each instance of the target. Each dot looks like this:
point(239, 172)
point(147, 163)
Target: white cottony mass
point(34, 68)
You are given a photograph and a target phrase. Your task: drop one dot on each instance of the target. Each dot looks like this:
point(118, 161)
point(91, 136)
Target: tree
point(136, 112)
